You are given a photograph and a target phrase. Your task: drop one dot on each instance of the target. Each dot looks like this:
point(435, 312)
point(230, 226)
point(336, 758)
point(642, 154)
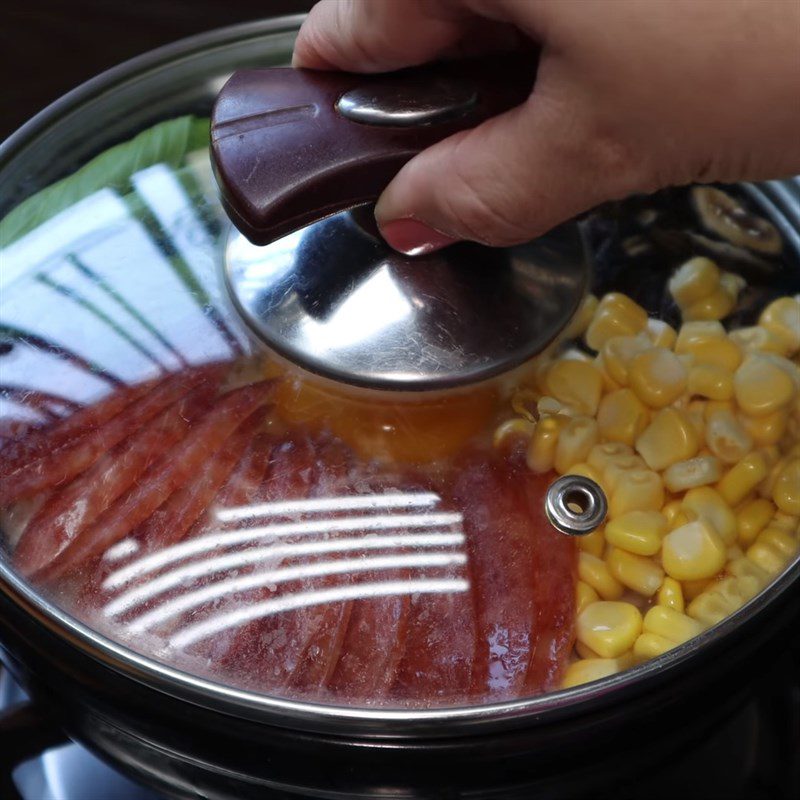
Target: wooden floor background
point(48, 47)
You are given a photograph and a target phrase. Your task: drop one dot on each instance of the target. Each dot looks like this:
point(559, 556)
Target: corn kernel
point(772, 550)
point(782, 318)
point(742, 478)
point(593, 543)
point(721, 599)
point(785, 522)
point(601, 454)
point(676, 515)
point(767, 430)
point(693, 551)
point(618, 468)
point(692, 589)
point(761, 386)
point(650, 645)
point(669, 438)
point(745, 568)
point(542, 446)
point(732, 283)
point(726, 437)
point(584, 594)
point(609, 628)
point(670, 594)
point(707, 380)
point(590, 669)
point(755, 339)
point(638, 532)
point(583, 651)
point(641, 490)
point(707, 343)
point(671, 624)
point(694, 280)
point(586, 471)
point(661, 334)
point(638, 573)
point(752, 518)
point(616, 315)
point(577, 384)
point(618, 352)
point(621, 417)
point(767, 486)
point(549, 406)
point(511, 430)
point(657, 377)
point(707, 504)
point(697, 471)
point(786, 491)
point(593, 570)
point(575, 441)
point(717, 305)
point(779, 540)
point(583, 316)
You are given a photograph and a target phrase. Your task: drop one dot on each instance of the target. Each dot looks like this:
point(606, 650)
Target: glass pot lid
point(170, 483)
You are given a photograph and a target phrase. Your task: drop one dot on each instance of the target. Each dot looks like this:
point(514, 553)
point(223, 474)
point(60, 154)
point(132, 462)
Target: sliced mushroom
point(722, 214)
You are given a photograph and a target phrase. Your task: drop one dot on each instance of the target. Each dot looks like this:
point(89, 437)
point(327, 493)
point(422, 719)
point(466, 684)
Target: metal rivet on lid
point(575, 505)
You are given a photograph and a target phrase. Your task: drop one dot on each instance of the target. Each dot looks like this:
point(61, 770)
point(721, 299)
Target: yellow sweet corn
point(745, 568)
point(694, 280)
point(641, 490)
point(670, 437)
point(575, 441)
point(676, 514)
point(721, 599)
point(755, 339)
point(657, 377)
point(692, 589)
point(618, 352)
point(583, 651)
point(782, 319)
point(761, 386)
point(516, 428)
point(768, 429)
point(726, 437)
point(639, 573)
point(549, 406)
point(670, 594)
point(586, 471)
point(524, 403)
point(707, 504)
point(609, 628)
point(708, 380)
point(593, 543)
point(618, 468)
point(577, 384)
point(638, 532)
point(671, 624)
point(772, 550)
point(591, 669)
point(542, 446)
point(774, 469)
point(732, 284)
point(650, 645)
point(697, 471)
point(660, 333)
point(593, 570)
point(742, 478)
point(717, 305)
point(786, 522)
point(752, 518)
point(786, 491)
point(621, 417)
point(616, 315)
point(693, 552)
point(584, 594)
point(602, 454)
point(707, 343)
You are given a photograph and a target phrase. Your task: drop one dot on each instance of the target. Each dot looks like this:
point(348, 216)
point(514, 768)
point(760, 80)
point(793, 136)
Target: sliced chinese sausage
point(70, 509)
point(59, 466)
point(554, 568)
point(500, 543)
point(162, 479)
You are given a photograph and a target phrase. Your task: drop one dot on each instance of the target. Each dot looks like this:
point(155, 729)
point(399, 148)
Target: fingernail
point(414, 238)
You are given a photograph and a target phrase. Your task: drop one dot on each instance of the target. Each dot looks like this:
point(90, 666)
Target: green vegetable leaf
point(165, 143)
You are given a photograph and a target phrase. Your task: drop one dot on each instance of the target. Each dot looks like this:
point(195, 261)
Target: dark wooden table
point(48, 47)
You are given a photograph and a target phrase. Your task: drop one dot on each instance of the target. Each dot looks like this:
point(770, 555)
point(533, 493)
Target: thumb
point(507, 181)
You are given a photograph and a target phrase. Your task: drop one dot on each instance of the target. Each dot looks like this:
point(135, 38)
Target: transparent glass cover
point(169, 482)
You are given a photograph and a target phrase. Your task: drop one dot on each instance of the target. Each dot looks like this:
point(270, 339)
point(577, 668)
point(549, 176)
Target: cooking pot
point(112, 283)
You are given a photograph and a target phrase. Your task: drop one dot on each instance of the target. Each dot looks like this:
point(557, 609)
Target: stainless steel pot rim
point(367, 723)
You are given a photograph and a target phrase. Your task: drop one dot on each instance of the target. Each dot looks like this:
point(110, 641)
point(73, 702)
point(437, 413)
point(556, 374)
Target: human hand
point(630, 96)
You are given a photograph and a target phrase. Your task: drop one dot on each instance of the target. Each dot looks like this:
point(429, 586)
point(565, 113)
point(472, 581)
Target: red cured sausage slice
point(167, 475)
point(77, 505)
point(16, 454)
point(58, 467)
point(500, 543)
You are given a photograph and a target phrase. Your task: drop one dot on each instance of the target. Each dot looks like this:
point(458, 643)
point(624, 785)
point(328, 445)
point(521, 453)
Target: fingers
point(506, 181)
